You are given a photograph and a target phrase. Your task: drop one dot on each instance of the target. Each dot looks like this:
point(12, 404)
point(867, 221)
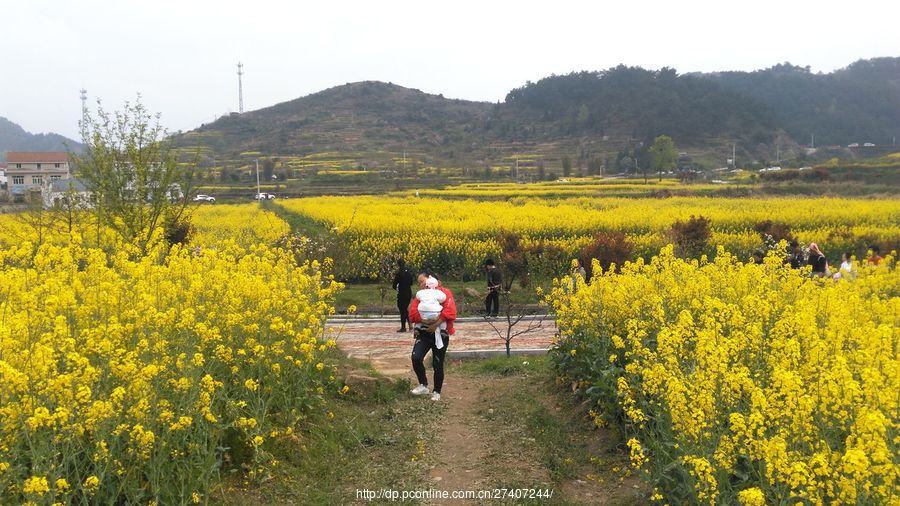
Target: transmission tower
point(84, 112)
point(240, 88)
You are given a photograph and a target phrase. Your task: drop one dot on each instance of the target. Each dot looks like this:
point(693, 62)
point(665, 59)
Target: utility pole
point(733, 160)
point(240, 88)
point(257, 179)
point(812, 141)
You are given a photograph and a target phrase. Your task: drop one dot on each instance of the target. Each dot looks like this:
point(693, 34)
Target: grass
point(367, 298)
point(535, 436)
point(525, 411)
point(372, 442)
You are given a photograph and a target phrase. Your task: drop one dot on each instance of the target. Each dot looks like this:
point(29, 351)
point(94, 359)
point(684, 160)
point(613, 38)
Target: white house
point(60, 191)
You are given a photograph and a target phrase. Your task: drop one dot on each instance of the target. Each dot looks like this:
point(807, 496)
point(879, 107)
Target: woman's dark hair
point(427, 272)
point(489, 261)
point(847, 254)
point(401, 262)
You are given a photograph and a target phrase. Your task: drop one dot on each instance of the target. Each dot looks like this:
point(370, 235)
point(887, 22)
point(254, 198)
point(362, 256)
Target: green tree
point(268, 169)
point(566, 166)
point(137, 182)
point(581, 119)
point(663, 155)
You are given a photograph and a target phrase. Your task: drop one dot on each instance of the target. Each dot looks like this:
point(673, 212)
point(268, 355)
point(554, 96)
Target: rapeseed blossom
point(742, 383)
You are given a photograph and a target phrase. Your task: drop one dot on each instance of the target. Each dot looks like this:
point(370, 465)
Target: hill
point(353, 118)
point(860, 103)
point(15, 138)
point(598, 116)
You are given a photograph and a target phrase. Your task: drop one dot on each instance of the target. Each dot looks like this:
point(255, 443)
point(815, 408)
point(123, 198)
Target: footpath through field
point(376, 339)
point(514, 430)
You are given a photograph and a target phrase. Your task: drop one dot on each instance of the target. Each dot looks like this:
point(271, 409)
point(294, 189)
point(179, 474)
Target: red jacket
point(448, 314)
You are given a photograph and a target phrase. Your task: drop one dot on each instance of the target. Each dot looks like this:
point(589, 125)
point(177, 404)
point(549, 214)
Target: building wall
point(22, 177)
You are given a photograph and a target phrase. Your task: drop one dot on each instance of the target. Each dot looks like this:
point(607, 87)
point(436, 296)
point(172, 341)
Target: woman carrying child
point(433, 330)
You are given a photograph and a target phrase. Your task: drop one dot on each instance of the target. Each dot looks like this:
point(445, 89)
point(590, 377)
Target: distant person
point(402, 283)
point(425, 338)
point(494, 281)
point(817, 261)
point(874, 255)
point(796, 258)
point(846, 271)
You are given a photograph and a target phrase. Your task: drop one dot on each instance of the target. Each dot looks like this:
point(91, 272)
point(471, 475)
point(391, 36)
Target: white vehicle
point(264, 196)
point(205, 198)
point(854, 145)
point(868, 145)
point(770, 169)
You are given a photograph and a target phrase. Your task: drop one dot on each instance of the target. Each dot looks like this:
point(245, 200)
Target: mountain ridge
point(585, 115)
point(15, 138)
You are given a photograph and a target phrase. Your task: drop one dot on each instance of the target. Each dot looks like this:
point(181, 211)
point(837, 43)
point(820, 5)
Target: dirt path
point(460, 451)
point(388, 350)
point(507, 431)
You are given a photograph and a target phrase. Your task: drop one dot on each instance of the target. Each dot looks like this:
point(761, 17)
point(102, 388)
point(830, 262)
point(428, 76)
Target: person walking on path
point(402, 283)
point(494, 281)
point(425, 339)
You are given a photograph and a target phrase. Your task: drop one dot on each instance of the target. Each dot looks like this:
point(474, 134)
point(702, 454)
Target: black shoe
point(402, 329)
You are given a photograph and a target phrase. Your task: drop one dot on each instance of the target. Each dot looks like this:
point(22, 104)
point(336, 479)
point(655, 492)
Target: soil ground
point(502, 424)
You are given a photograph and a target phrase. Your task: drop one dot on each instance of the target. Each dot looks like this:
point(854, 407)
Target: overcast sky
point(182, 55)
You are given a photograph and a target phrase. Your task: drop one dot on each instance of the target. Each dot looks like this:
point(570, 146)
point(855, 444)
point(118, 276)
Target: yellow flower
point(36, 485)
point(752, 497)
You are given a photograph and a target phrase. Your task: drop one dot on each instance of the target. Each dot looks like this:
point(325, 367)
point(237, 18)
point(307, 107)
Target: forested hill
point(635, 103)
point(583, 114)
point(15, 138)
point(860, 103)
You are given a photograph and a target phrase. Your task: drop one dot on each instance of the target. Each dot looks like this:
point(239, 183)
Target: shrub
point(608, 248)
point(690, 237)
point(772, 232)
point(512, 258)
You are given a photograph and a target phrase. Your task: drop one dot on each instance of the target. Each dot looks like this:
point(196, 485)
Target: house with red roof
point(28, 171)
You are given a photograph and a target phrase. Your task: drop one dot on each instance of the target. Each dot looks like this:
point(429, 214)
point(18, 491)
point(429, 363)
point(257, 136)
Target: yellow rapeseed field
point(742, 384)
point(457, 235)
point(245, 224)
point(123, 378)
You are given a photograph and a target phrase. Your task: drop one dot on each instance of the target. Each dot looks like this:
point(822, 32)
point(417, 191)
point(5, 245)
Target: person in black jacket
point(402, 282)
point(817, 261)
point(494, 280)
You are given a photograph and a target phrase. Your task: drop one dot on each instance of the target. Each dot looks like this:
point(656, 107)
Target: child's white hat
point(431, 282)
